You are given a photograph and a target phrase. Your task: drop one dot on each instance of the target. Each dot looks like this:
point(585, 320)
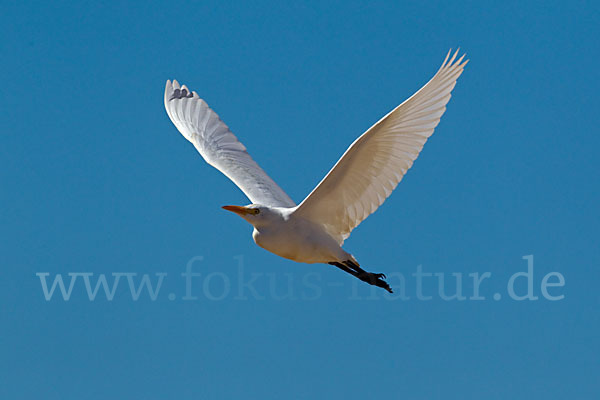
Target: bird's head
point(253, 213)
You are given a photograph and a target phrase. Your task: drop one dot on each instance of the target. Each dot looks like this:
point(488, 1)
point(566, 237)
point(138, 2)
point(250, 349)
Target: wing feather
point(376, 162)
point(219, 147)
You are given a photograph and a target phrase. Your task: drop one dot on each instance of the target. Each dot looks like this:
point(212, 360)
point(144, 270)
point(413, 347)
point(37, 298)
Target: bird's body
point(314, 231)
point(295, 238)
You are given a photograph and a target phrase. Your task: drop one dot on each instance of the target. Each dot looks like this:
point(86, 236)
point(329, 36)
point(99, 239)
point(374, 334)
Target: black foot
point(375, 279)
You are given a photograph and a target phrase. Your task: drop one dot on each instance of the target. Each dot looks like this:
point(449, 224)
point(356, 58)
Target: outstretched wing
point(219, 147)
point(375, 163)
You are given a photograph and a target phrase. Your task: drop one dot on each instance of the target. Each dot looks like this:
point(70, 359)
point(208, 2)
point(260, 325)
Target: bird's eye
point(256, 211)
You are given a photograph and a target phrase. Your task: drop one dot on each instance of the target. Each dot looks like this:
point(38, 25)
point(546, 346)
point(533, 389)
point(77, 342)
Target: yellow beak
point(239, 210)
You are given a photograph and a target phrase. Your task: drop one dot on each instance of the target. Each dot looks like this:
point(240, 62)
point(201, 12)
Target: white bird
point(367, 173)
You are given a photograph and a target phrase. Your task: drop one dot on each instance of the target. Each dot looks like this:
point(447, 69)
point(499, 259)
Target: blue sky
point(96, 180)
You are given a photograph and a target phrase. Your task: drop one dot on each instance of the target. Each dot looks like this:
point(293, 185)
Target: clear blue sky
point(95, 179)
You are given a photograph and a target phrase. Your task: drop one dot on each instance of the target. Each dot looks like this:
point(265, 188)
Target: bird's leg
point(354, 265)
point(354, 269)
point(344, 268)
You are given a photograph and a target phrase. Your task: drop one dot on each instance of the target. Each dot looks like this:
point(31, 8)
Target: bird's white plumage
point(356, 186)
point(376, 162)
point(219, 147)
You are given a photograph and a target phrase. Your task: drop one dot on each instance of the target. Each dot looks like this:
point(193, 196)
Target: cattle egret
point(367, 173)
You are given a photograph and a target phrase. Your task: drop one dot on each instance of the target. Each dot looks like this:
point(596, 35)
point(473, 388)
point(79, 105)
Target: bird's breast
point(298, 241)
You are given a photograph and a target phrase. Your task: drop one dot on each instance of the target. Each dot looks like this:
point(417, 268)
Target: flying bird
point(365, 175)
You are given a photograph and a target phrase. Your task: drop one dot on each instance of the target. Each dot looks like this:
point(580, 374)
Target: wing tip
point(451, 61)
point(451, 64)
point(173, 90)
